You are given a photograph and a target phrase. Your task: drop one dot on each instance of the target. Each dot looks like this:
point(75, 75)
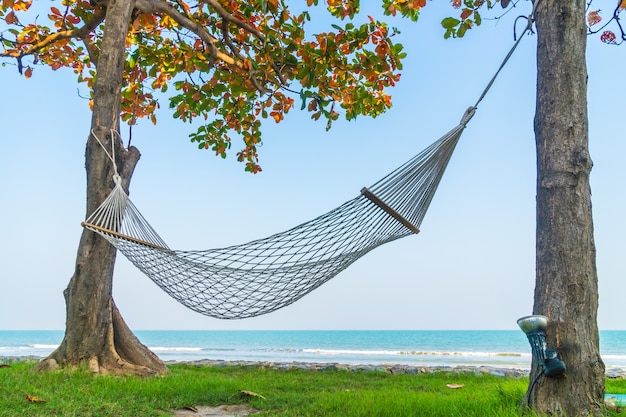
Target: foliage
point(285, 393)
point(597, 24)
point(470, 16)
point(233, 64)
point(230, 64)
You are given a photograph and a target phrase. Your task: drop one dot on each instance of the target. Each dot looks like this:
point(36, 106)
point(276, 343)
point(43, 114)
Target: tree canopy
point(235, 64)
point(229, 63)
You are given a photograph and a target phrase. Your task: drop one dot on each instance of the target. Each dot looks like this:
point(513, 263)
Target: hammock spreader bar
point(372, 197)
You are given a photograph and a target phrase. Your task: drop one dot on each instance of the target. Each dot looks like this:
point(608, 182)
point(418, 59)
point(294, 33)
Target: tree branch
point(232, 19)
point(162, 7)
point(227, 17)
point(80, 33)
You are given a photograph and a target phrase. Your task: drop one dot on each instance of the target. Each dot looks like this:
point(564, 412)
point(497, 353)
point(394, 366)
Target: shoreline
point(335, 366)
point(393, 368)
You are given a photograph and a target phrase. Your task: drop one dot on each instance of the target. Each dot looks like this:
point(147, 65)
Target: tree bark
point(95, 333)
point(566, 289)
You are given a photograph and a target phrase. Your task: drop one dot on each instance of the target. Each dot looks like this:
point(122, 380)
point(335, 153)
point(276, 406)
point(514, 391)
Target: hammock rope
point(265, 275)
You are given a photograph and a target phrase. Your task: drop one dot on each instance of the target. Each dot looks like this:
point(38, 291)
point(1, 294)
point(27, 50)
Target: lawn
point(294, 392)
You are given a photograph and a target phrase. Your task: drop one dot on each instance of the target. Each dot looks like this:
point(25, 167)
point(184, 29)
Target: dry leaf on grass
point(455, 386)
point(251, 394)
point(34, 399)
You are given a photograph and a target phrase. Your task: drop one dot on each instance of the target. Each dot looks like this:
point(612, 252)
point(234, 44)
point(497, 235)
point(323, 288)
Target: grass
point(287, 393)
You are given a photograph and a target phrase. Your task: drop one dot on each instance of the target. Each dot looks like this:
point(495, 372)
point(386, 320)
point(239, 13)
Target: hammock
point(267, 274)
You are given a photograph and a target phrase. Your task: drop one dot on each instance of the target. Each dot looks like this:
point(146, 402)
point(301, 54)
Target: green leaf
point(477, 18)
point(450, 22)
point(462, 29)
point(303, 98)
point(133, 58)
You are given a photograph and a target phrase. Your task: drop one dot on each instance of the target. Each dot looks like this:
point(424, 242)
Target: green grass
point(287, 393)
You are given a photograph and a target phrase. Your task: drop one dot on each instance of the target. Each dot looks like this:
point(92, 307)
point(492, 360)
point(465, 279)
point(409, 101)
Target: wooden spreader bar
point(380, 203)
point(93, 227)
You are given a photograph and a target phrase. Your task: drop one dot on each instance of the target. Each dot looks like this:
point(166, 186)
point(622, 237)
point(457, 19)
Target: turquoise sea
point(507, 349)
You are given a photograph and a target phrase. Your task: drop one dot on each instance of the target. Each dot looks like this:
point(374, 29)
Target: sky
point(471, 266)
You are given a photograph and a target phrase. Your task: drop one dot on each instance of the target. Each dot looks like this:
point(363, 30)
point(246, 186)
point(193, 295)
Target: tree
point(232, 63)
point(566, 288)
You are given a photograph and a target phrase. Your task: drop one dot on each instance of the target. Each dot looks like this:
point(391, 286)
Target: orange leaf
point(593, 18)
point(277, 116)
point(10, 18)
point(28, 73)
point(72, 19)
point(622, 4)
point(466, 13)
point(456, 3)
point(34, 399)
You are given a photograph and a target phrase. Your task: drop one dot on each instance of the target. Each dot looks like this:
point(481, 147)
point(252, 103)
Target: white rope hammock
point(264, 275)
point(267, 274)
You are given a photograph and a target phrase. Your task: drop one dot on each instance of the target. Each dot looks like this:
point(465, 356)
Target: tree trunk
point(566, 288)
point(95, 332)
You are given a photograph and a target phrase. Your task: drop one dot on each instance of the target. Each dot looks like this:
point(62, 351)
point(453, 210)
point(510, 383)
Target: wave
point(620, 357)
point(30, 347)
point(43, 346)
point(413, 353)
point(175, 349)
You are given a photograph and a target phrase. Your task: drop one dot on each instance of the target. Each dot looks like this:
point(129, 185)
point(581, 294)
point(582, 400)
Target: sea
point(446, 348)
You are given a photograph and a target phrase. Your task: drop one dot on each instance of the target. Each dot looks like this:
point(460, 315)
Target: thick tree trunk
point(95, 332)
point(566, 288)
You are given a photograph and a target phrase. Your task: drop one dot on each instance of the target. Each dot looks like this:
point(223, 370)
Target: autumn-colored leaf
point(456, 3)
point(608, 37)
point(10, 18)
point(593, 18)
point(466, 13)
point(277, 116)
point(33, 399)
point(251, 394)
point(622, 4)
point(504, 3)
point(28, 73)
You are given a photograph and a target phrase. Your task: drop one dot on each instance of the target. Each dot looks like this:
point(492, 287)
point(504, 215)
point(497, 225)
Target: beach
point(406, 351)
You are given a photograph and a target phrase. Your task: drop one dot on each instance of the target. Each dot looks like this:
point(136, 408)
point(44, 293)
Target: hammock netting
point(267, 274)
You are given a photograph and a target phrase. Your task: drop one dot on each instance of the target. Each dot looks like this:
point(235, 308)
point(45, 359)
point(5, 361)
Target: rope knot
point(469, 113)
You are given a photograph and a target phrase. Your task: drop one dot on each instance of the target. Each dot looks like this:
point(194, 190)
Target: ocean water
point(507, 349)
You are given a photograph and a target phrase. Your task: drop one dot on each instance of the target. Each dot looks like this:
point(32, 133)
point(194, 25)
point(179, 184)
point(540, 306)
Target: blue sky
point(471, 267)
